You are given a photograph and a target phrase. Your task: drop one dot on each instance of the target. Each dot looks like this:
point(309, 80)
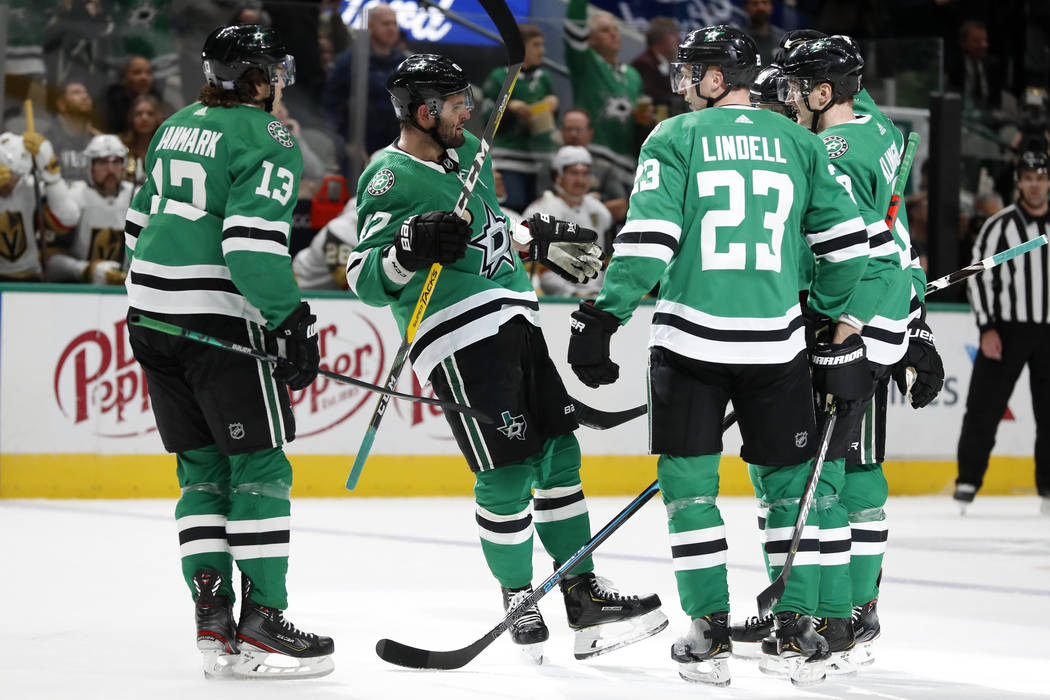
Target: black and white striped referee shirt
point(1018, 290)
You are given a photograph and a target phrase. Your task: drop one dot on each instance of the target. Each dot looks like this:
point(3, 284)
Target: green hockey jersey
point(515, 146)
point(607, 93)
point(720, 198)
point(208, 231)
point(474, 295)
point(866, 153)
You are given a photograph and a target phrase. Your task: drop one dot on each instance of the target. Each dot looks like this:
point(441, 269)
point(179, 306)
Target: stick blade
point(410, 657)
point(596, 419)
point(770, 596)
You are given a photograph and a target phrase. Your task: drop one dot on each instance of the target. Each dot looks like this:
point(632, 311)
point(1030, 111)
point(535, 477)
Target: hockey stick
point(38, 218)
point(772, 594)
point(596, 419)
point(507, 27)
point(172, 329)
point(986, 264)
point(410, 657)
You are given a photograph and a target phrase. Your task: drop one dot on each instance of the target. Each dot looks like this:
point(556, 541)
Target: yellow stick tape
point(153, 476)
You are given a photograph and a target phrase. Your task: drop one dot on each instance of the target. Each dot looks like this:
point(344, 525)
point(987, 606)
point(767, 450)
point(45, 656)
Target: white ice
point(94, 605)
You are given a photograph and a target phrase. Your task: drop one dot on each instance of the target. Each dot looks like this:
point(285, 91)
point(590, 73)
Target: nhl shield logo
point(236, 431)
point(801, 438)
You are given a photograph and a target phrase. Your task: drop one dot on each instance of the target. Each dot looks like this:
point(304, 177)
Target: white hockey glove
point(104, 272)
point(563, 247)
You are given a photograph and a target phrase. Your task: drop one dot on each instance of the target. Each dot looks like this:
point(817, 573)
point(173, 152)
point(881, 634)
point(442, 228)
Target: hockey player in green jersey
point(207, 236)
point(602, 86)
point(721, 197)
point(821, 78)
point(480, 344)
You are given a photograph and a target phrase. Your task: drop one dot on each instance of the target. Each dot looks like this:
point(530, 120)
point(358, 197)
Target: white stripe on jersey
point(881, 352)
point(257, 222)
point(254, 245)
point(733, 352)
point(857, 250)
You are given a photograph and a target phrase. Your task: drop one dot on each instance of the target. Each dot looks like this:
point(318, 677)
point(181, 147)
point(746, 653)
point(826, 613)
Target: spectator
point(603, 87)
point(380, 123)
point(605, 181)
point(523, 143)
point(77, 44)
point(1010, 303)
point(322, 264)
point(758, 26)
point(20, 158)
point(570, 202)
point(137, 80)
point(144, 118)
point(975, 73)
point(24, 61)
point(313, 168)
point(654, 65)
point(72, 130)
point(92, 249)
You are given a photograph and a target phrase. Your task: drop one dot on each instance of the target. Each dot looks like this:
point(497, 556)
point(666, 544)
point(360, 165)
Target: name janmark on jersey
point(199, 142)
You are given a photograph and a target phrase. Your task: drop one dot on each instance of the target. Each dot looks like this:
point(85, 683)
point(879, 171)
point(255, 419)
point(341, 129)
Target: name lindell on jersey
point(741, 148)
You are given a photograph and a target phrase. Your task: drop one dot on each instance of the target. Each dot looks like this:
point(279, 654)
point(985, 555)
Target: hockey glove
point(104, 272)
point(296, 340)
point(842, 370)
point(921, 356)
point(435, 237)
point(564, 248)
point(591, 328)
point(43, 156)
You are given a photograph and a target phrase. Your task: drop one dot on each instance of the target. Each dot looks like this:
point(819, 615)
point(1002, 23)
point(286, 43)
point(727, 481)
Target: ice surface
point(95, 605)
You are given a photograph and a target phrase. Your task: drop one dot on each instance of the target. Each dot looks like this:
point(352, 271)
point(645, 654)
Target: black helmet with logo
point(721, 45)
point(834, 60)
point(429, 79)
point(229, 52)
point(1032, 161)
point(792, 39)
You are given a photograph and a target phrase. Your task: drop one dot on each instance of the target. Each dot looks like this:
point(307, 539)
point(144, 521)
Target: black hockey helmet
point(1032, 161)
point(721, 45)
point(231, 51)
point(429, 79)
point(764, 92)
point(834, 60)
point(792, 39)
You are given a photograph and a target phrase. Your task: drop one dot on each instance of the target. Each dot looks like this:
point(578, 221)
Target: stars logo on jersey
point(835, 145)
point(513, 426)
point(381, 182)
point(618, 108)
point(494, 243)
point(280, 134)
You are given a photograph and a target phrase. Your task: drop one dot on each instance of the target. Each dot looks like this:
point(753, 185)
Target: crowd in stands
point(112, 67)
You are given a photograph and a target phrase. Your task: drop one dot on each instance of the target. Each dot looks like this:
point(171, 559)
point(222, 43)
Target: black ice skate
point(752, 630)
point(703, 653)
point(866, 630)
point(963, 496)
point(801, 647)
point(604, 619)
point(838, 632)
point(529, 630)
point(272, 647)
point(216, 631)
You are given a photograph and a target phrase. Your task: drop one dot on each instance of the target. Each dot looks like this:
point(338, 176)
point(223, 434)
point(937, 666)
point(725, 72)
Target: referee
point(1012, 304)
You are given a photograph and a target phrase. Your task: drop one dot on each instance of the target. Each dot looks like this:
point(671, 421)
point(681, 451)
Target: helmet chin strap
point(710, 100)
point(817, 113)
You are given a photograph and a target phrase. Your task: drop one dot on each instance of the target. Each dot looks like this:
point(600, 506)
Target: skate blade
point(840, 665)
point(256, 663)
point(805, 673)
point(862, 654)
point(709, 672)
point(533, 652)
point(774, 666)
point(601, 639)
point(218, 665)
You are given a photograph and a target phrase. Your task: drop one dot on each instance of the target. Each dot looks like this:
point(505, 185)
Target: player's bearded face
point(454, 114)
point(107, 172)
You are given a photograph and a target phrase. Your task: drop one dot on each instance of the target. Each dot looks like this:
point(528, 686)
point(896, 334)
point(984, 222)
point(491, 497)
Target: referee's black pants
point(991, 385)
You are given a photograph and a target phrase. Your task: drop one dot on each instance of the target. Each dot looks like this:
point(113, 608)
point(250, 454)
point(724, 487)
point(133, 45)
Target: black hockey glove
point(435, 237)
point(921, 356)
point(591, 328)
point(564, 248)
point(842, 370)
point(296, 340)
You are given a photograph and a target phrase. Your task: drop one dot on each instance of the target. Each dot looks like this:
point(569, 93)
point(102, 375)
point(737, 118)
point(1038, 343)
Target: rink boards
point(75, 418)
